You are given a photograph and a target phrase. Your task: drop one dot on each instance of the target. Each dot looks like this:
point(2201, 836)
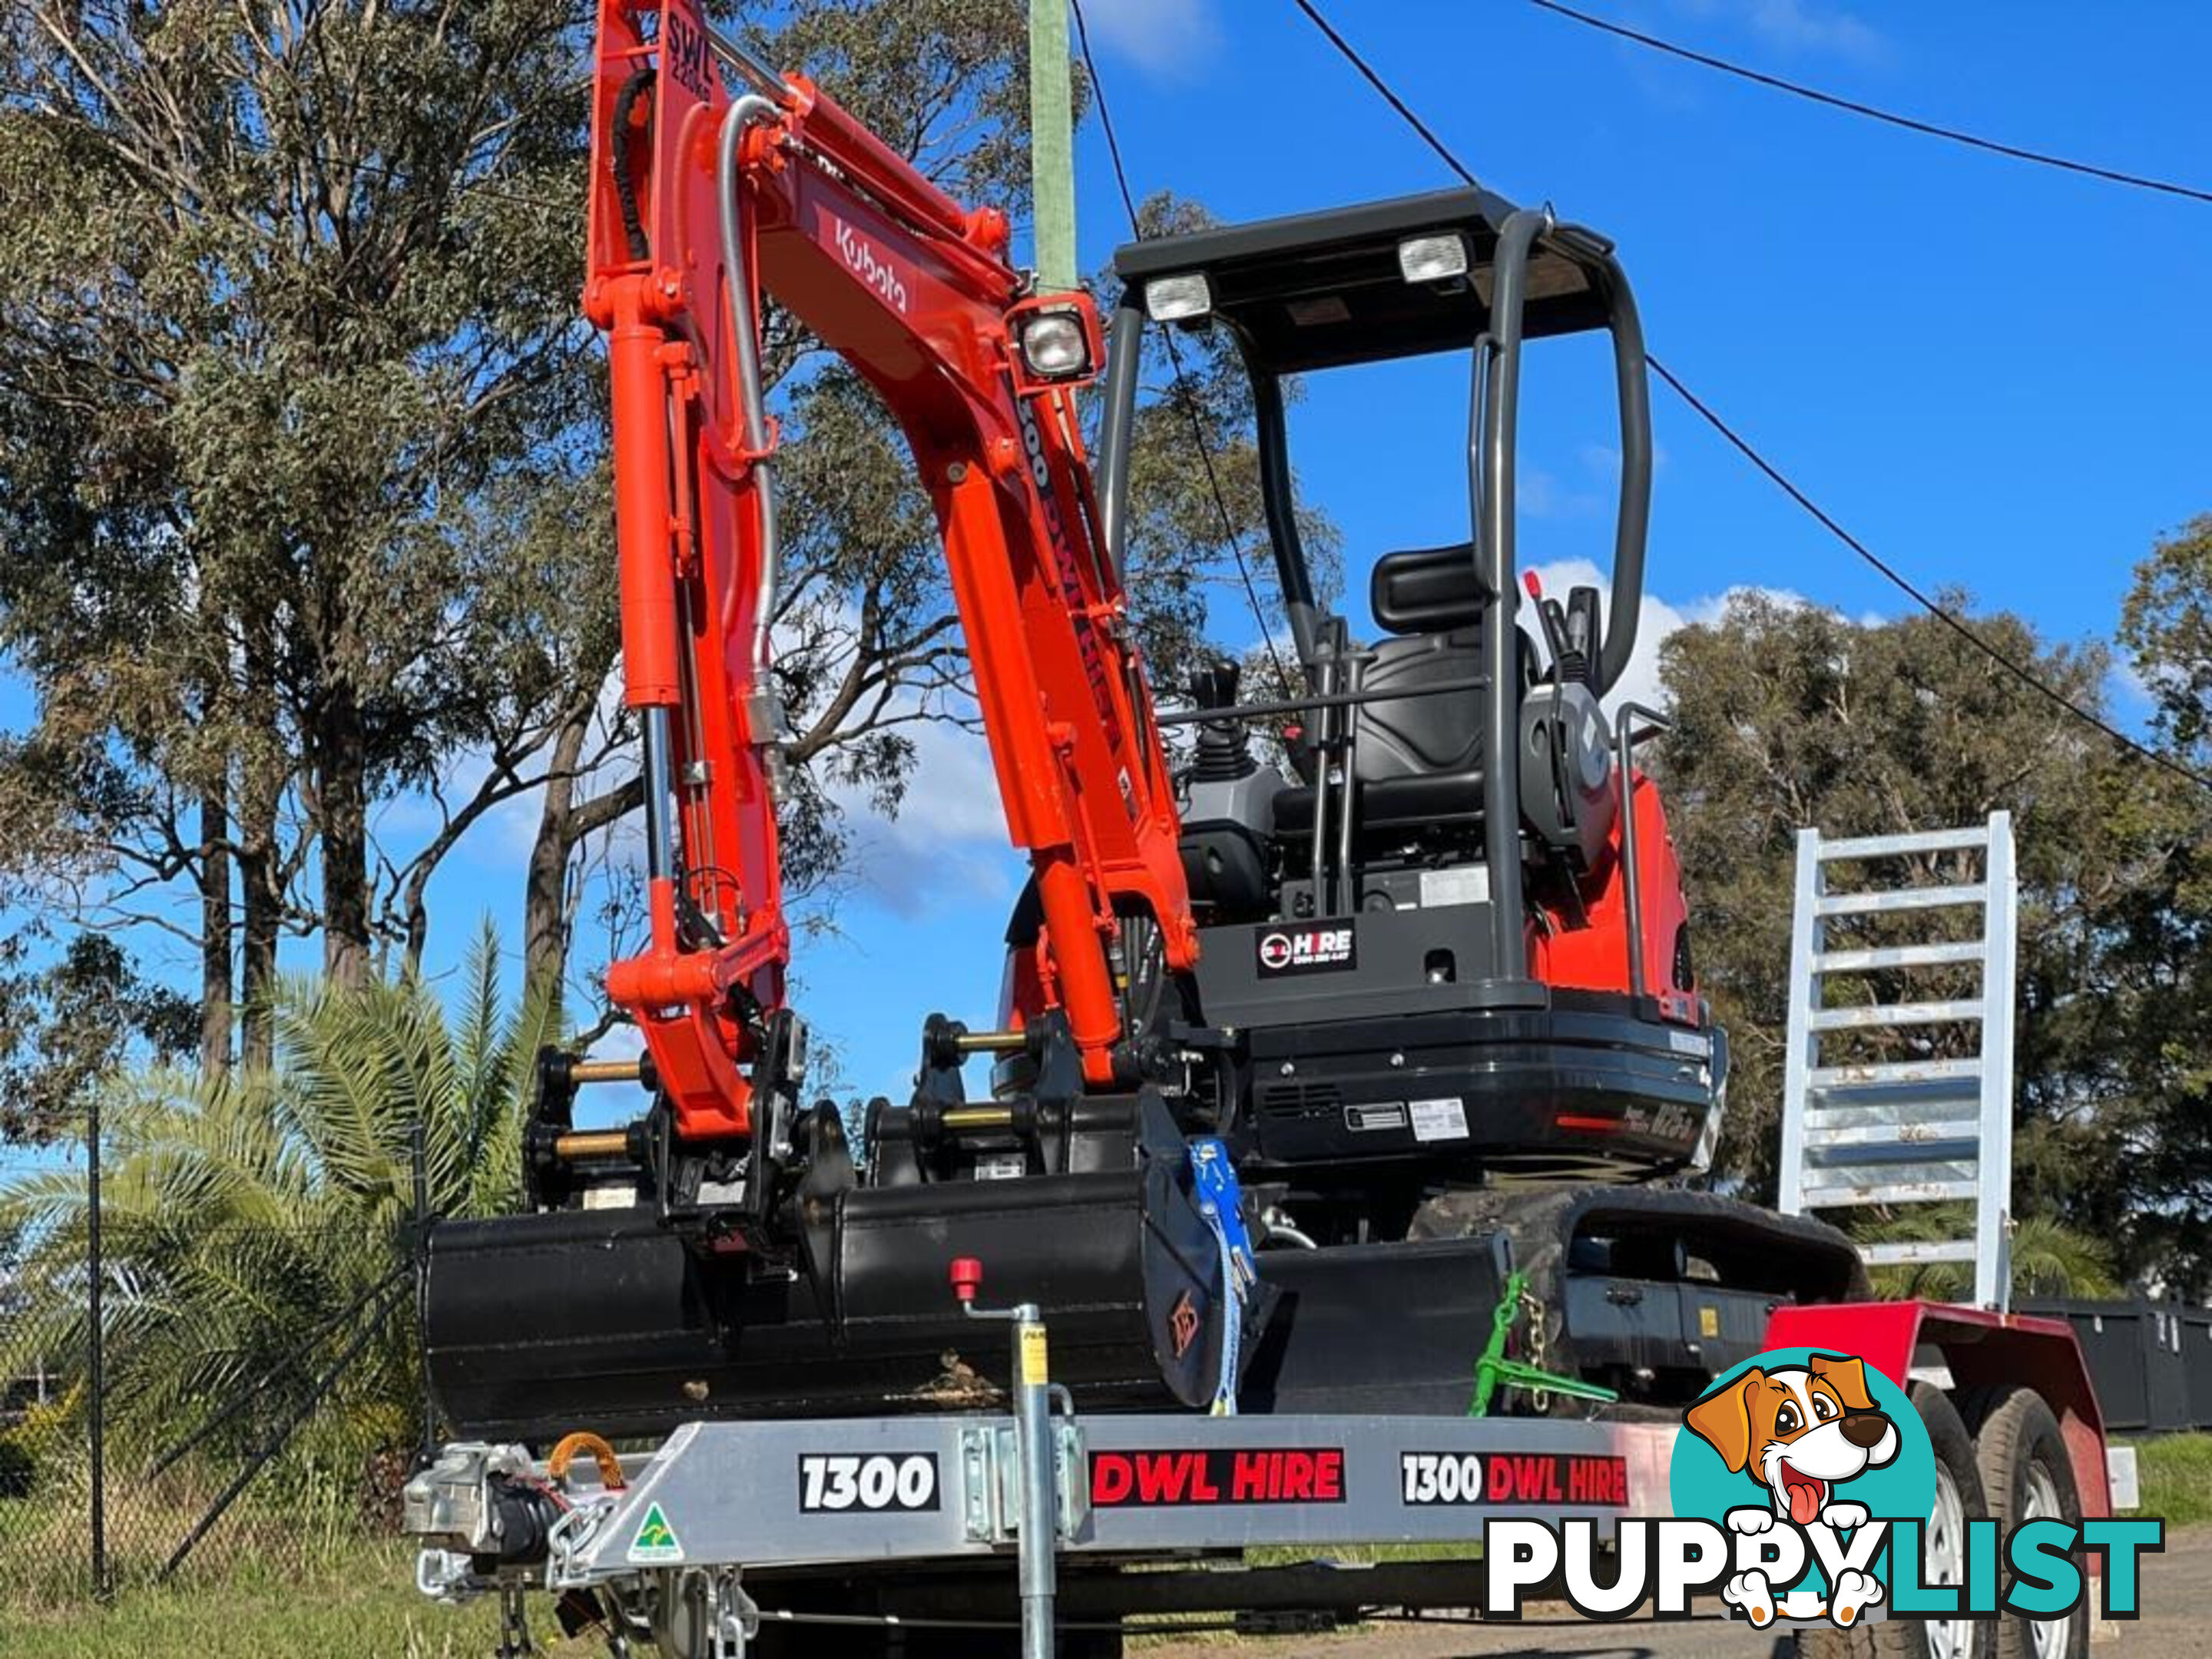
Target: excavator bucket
point(606, 1320)
point(609, 1320)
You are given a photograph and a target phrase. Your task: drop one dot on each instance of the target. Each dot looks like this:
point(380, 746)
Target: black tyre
point(2028, 1476)
point(1958, 1495)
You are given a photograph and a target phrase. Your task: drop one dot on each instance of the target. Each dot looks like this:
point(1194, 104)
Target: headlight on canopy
point(1433, 259)
point(1178, 299)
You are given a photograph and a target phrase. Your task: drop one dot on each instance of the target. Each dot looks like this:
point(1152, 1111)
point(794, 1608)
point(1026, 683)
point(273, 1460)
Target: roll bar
point(1493, 448)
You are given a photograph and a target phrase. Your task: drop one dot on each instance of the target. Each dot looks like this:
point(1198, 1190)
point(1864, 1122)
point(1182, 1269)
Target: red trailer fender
point(1980, 1348)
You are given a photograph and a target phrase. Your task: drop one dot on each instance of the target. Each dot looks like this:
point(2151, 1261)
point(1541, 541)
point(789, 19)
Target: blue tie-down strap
point(1221, 1202)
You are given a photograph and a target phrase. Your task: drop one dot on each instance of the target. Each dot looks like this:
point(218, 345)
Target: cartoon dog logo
point(1800, 1431)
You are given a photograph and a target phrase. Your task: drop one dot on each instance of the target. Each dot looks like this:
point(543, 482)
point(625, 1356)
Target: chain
point(571, 1533)
point(1538, 1398)
point(515, 1641)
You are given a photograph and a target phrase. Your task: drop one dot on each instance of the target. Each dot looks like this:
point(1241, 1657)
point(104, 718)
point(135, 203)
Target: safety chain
point(1533, 1307)
point(515, 1641)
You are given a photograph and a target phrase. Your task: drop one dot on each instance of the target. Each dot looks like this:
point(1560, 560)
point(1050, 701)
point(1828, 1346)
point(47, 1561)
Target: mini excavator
point(1303, 1068)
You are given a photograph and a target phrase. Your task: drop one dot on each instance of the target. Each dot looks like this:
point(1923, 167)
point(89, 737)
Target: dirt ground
point(2177, 1624)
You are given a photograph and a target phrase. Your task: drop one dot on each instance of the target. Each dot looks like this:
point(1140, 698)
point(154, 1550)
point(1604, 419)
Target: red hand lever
point(967, 1277)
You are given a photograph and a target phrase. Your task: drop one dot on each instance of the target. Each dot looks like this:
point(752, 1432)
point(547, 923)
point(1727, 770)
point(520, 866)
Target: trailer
point(1037, 1531)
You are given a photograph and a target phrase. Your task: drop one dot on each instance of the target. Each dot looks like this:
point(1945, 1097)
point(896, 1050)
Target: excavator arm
point(715, 181)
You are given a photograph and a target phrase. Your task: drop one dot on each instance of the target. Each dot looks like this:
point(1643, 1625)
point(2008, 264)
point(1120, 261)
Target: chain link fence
point(246, 1403)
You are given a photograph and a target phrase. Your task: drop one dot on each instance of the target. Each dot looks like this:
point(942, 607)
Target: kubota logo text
point(870, 266)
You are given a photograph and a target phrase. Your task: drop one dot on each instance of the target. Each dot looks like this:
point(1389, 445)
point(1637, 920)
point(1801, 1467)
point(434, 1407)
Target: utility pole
point(1052, 146)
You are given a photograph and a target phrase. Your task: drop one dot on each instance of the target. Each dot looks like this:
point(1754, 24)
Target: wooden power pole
point(1052, 146)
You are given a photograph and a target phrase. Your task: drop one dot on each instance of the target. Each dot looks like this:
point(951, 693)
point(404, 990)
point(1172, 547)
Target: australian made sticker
point(656, 1540)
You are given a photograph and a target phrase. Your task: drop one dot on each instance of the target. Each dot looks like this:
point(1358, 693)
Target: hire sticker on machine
point(1805, 1491)
point(1187, 1479)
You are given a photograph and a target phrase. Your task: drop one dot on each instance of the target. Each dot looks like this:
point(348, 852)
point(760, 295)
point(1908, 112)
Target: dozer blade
point(603, 1319)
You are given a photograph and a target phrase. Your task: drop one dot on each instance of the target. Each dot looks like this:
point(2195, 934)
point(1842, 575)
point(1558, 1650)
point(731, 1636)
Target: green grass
point(2176, 1475)
point(260, 1544)
point(374, 1614)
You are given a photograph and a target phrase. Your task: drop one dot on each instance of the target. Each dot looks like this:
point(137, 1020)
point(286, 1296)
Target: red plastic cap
point(1534, 583)
point(967, 1278)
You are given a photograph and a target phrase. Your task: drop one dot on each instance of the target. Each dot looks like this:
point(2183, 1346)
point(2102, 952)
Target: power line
point(1780, 480)
point(1184, 395)
point(1904, 585)
point(1382, 87)
point(1928, 128)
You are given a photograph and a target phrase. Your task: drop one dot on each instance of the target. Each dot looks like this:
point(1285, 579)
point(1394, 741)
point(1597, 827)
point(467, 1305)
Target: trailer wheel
point(1958, 1495)
point(2028, 1476)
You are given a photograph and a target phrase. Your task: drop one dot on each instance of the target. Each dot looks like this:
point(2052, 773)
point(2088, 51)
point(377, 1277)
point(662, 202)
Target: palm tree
point(254, 1226)
point(2048, 1258)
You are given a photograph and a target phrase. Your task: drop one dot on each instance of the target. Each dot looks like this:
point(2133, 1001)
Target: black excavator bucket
point(604, 1319)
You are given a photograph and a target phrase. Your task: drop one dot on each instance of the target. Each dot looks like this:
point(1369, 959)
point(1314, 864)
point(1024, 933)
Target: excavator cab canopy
point(1360, 284)
point(1454, 270)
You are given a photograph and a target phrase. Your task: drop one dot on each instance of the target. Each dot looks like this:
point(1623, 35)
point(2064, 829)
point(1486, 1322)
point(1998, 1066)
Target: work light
point(1054, 345)
point(1178, 299)
point(1433, 259)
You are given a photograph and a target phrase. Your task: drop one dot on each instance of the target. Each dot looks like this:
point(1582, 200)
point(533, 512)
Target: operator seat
point(1417, 761)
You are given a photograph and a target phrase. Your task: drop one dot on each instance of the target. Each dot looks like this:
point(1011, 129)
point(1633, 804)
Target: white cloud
point(1602, 460)
point(1164, 38)
point(623, 1042)
point(1639, 681)
point(1542, 495)
point(2125, 685)
point(949, 841)
point(1802, 28)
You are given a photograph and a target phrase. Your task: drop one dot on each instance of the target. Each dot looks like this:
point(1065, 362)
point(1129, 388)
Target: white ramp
point(1891, 1096)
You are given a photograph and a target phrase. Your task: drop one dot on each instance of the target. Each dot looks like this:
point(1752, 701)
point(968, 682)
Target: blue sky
point(1994, 373)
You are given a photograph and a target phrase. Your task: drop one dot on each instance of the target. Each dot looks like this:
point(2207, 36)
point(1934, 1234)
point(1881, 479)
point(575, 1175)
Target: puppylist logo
point(1805, 1491)
point(1798, 1457)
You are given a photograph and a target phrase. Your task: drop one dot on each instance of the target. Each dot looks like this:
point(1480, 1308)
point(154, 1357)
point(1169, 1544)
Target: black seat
point(1401, 809)
point(1417, 764)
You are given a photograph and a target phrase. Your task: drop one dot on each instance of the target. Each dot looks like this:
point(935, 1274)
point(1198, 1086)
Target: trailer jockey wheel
point(2028, 1476)
point(1958, 1499)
